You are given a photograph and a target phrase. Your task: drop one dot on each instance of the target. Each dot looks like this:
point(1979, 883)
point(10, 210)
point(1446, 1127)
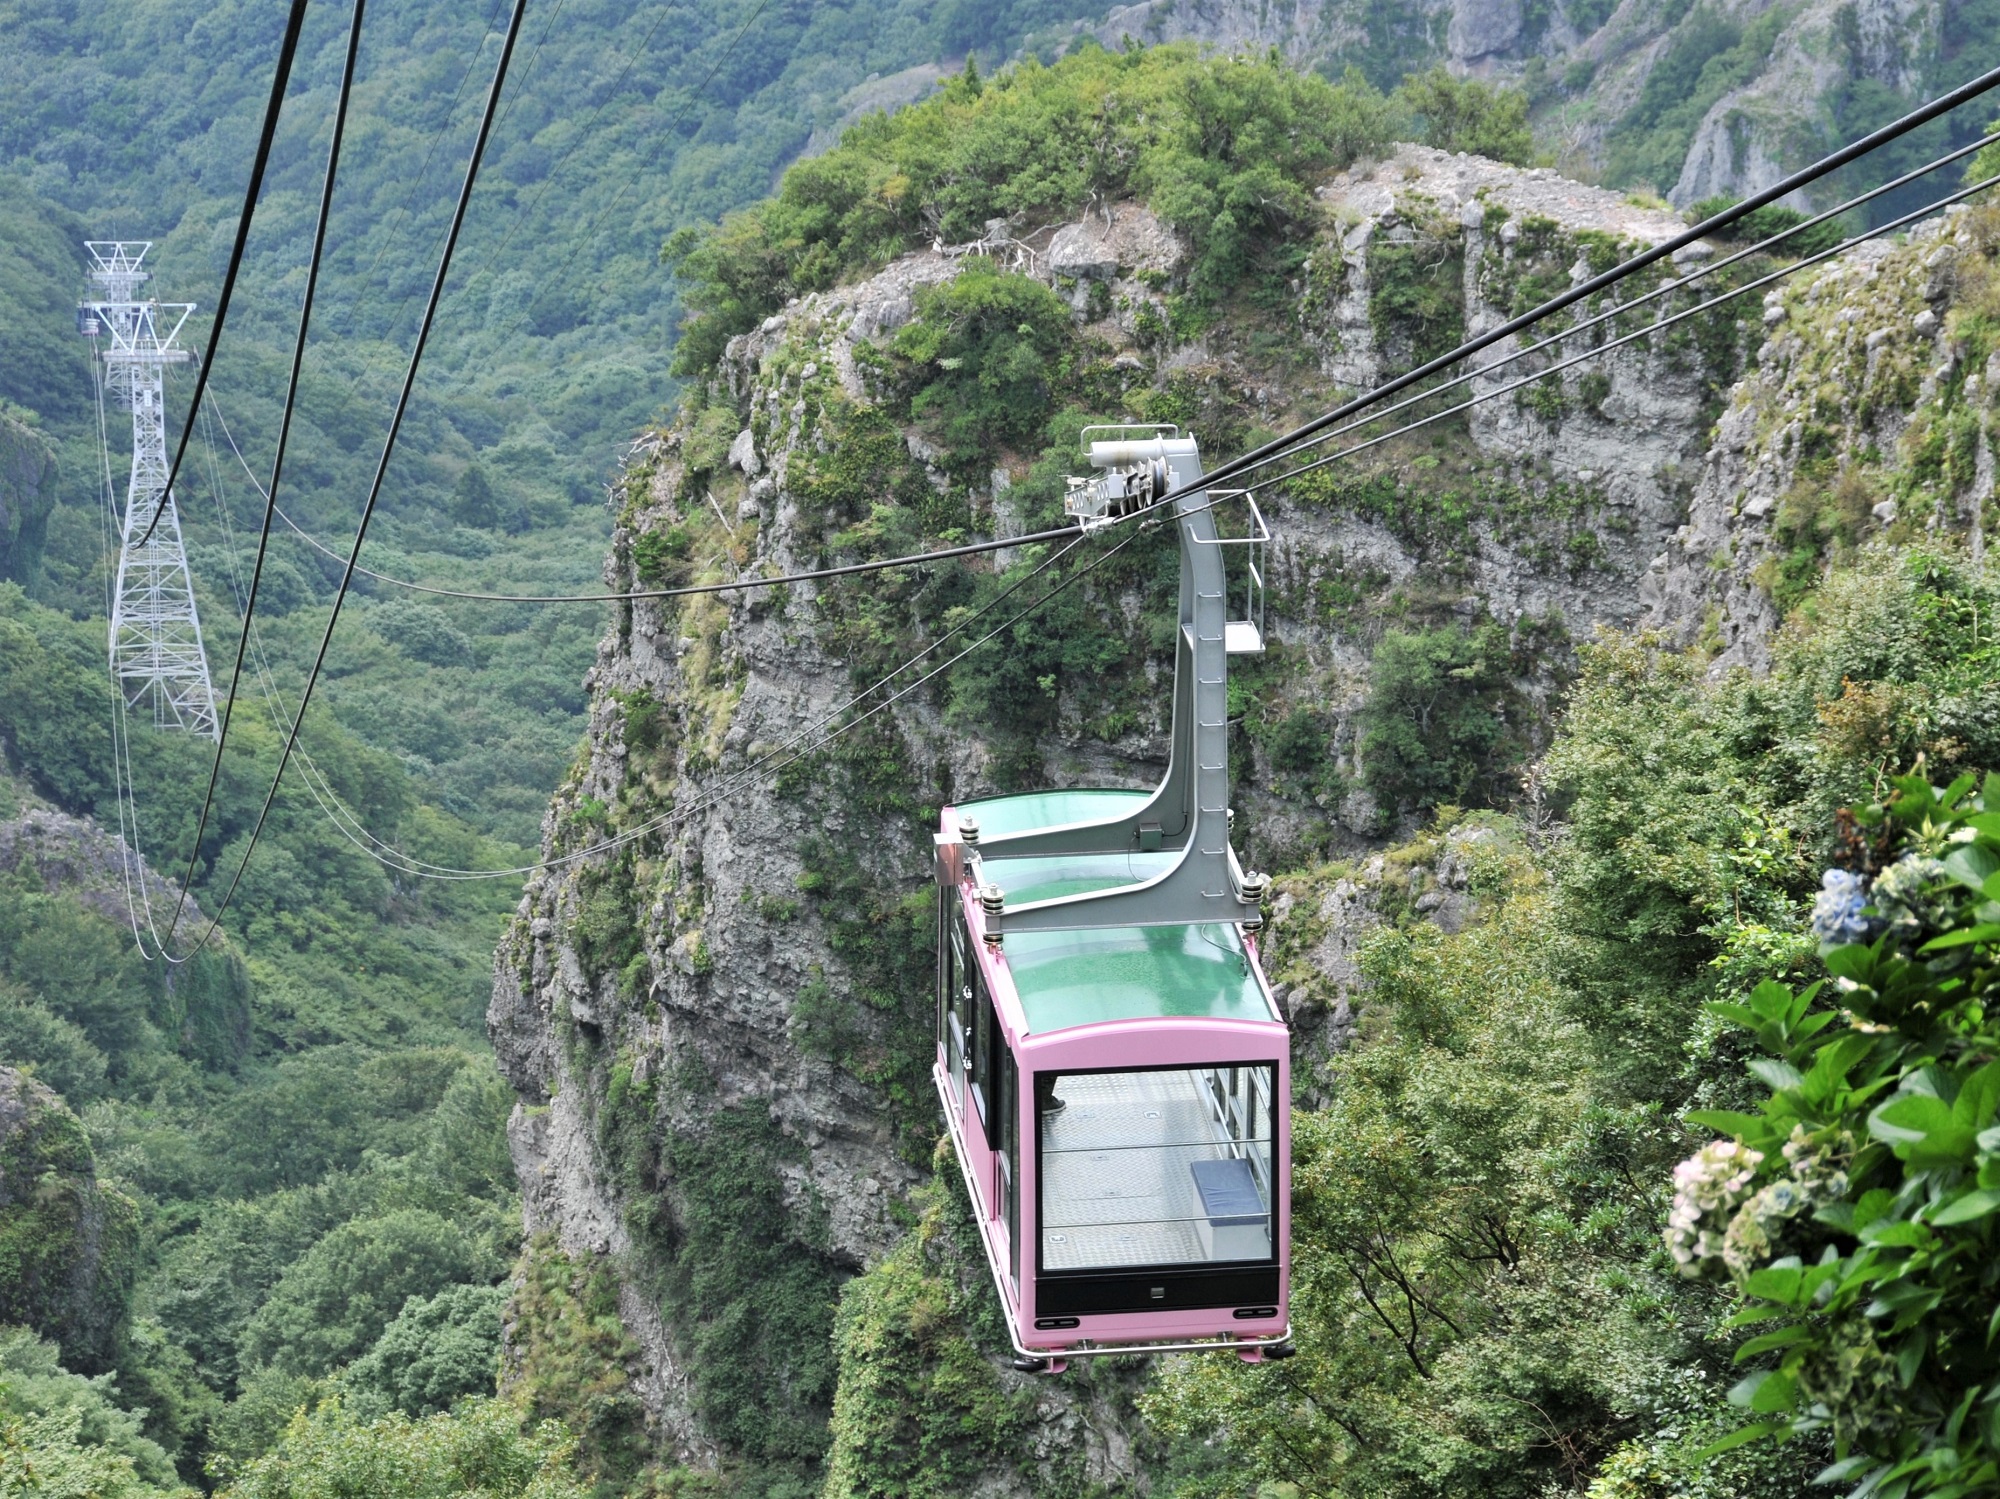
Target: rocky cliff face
point(1724, 97)
point(716, 1006)
point(27, 497)
point(68, 1242)
point(1870, 412)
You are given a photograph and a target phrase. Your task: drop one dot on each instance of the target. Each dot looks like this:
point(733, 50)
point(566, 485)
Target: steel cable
point(1290, 441)
point(1608, 315)
point(388, 450)
point(1646, 332)
point(284, 438)
point(1665, 288)
point(286, 51)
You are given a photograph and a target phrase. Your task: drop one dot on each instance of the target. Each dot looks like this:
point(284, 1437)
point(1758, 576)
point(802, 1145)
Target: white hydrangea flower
point(1708, 1186)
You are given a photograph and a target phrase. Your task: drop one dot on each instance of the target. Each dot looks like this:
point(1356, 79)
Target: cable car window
point(1010, 1161)
point(946, 971)
point(984, 1028)
point(958, 1017)
point(1168, 1166)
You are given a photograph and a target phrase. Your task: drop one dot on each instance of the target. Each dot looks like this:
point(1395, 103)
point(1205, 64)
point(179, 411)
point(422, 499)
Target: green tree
point(473, 500)
point(49, 1457)
point(64, 1436)
point(55, 708)
point(1464, 114)
point(1226, 149)
point(1432, 726)
point(986, 353)
point(55, 1050)
point(481, 1450)
point(76, 966)
point(334, 1302)
point(435, 1352)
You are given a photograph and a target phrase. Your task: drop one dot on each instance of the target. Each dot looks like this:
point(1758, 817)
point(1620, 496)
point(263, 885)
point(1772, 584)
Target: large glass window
point(956, 999)
point(947, 975)
point(1168, 1166)
point(983, 1034)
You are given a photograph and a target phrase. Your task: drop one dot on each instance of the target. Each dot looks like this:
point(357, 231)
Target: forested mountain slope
point(1517, 857)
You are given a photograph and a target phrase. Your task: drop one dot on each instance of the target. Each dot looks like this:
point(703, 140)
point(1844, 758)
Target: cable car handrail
point(1173, 427)
point(1254, 591)
point(1258, 537)
point(1209, 1144)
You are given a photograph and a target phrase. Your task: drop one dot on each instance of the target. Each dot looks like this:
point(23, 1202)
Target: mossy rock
point(68, 1242)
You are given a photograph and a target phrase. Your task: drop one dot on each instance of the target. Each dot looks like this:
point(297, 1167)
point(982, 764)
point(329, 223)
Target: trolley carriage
point(1112, 1066)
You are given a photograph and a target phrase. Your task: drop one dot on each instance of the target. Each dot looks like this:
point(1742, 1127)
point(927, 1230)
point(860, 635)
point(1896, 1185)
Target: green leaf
point(1910, 1357)
point(1971, 1206)
point(1847, 1467)
point(1774, 1074)
point(1774, 1394)
point(1895, 1233)
point(1742, 1436)
point(1832, 1063)
point(1972, 865)
point(1978, 1098)
point(1745, 1389)
point(1873, 1204)
point(1963, 937)
point(1729, 1122)
point(1784, 1337)
point(1932, 1081)
point(1778, 1283)
point(1922, 1130)
point(1909, 1117)
point(1989, 1140)
point(1771, 1000)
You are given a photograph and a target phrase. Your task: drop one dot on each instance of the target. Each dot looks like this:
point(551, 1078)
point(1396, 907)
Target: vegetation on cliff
point(1225, 149)
point(1486, 1303)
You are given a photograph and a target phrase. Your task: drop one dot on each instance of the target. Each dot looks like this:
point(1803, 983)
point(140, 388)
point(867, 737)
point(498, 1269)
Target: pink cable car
point(1113, 1068)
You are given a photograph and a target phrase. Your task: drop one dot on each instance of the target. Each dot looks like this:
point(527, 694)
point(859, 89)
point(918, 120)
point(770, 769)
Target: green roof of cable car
point(1067, 979)
point(1133, 973)
point(1047, 809)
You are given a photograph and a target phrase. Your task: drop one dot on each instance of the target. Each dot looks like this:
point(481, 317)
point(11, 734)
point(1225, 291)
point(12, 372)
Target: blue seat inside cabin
point(1229, 1197)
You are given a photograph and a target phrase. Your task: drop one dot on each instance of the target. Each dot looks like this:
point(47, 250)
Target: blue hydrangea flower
point(1837, 918)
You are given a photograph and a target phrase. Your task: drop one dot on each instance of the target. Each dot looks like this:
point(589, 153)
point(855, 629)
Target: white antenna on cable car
point(155, 641)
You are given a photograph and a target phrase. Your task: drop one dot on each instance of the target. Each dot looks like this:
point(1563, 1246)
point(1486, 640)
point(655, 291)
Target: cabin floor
point(1117, 1190)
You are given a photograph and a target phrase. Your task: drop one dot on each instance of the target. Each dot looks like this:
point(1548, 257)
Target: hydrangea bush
point(1858, 1213)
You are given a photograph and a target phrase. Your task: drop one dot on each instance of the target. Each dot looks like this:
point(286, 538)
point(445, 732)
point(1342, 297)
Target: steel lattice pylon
point(156, 649)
